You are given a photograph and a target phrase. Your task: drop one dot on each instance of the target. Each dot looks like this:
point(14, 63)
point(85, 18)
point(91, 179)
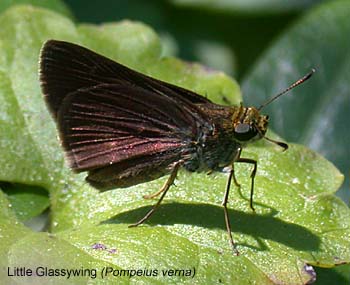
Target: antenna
point(295, 84)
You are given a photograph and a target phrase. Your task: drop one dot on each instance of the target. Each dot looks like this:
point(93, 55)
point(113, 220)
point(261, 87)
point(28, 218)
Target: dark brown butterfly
point(126, 128)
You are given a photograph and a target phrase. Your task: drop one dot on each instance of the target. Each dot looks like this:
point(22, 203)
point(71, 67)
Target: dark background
point(190, 26)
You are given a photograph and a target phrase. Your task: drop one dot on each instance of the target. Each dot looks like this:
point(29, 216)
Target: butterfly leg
point(164, 189)
point(227, 218)
point(234, 177)
point(153, 195)
point(252, 176)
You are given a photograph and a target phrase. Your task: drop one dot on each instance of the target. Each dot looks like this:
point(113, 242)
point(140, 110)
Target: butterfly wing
point(120, 125)
point(109, 123)
point(67, 67)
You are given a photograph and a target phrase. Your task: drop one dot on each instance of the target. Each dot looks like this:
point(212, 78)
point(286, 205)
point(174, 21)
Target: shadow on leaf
point(212, 217)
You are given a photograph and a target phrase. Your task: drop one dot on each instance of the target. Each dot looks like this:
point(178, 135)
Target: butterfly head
point(249, 125)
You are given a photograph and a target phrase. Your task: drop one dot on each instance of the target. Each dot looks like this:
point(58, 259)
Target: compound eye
point(242, 128)
point(245, 132)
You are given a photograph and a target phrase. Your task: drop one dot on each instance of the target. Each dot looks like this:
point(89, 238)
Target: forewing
point(110, 123)
point(67, 67)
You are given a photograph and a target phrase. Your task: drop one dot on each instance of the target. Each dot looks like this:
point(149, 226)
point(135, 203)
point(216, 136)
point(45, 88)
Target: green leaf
point(47, 253)
point(55, 5)
point(26, 201)
point(298, 220)
point(315, 114)
point(10, 232)
point(249, 6)
point(336, 275)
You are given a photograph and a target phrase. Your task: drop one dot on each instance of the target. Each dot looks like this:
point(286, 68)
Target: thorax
point(214, 146)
